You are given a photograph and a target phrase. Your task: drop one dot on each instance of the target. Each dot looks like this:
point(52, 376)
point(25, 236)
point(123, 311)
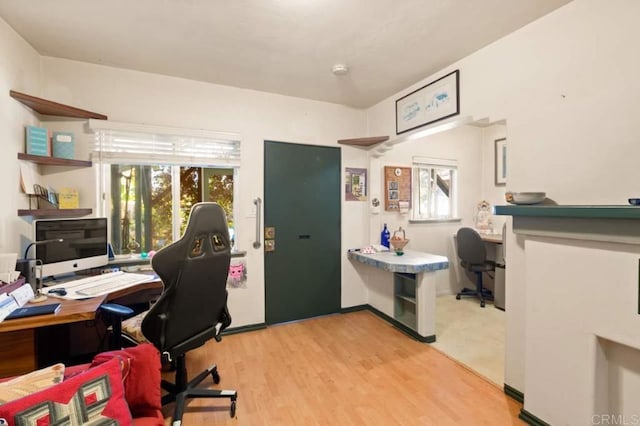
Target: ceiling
point(279, 46)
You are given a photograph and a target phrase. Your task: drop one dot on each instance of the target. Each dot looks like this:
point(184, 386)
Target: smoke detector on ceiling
point(340, 69)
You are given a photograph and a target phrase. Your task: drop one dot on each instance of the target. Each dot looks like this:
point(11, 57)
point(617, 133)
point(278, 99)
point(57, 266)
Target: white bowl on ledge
point(525, 197)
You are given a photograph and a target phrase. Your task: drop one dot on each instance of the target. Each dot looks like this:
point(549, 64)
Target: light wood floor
point(344, 369)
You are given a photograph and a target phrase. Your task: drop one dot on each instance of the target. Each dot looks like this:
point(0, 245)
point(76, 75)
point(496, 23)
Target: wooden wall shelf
point(364, 142)
point(55, 212)
point(53, 161)
point(46, 107)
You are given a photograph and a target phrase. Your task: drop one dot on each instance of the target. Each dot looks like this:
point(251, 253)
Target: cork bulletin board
point(397, 187)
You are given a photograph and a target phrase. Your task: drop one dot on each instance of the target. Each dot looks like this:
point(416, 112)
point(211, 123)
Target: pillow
point(29, 383)
point(133, 327)
point(141, 377)
point(94, 395)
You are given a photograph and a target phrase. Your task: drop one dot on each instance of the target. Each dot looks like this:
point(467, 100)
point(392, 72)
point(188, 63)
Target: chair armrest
point(116, 310)
point(113, 315)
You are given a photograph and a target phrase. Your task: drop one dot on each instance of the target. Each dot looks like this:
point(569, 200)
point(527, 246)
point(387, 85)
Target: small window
point(434, 189)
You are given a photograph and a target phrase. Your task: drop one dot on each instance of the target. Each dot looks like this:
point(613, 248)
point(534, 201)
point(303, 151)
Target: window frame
point(224, 153)
point(104, 201)
point(420, 163)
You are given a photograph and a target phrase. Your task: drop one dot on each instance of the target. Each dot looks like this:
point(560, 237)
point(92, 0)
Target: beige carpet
point(472, 335)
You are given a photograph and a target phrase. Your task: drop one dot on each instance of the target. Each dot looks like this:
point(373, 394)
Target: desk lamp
point(27, 268)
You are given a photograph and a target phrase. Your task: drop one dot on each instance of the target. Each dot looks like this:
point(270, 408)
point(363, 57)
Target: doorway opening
point(466, 332)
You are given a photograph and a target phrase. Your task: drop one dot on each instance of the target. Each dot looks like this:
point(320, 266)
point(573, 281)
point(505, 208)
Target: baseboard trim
point(366, 307)
point(514, 393)
point(244, 328)
point(401, 326)
point(354, 309)
point(530, 419)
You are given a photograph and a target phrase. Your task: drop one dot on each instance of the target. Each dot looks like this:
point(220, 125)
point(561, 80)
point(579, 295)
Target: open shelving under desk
point(410, 302)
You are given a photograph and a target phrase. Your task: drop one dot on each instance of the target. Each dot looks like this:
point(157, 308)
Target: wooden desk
point(152, 287)
point(18, 342)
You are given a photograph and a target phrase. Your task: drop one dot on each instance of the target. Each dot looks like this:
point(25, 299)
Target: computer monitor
point(83, 245)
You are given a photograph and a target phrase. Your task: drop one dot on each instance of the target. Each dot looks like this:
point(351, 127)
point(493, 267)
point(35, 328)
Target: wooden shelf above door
point(364, 142)
point(46, 107)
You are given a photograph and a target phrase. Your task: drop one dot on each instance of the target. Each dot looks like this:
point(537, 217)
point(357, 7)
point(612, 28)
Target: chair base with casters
point(181, 390)
point(480, 292)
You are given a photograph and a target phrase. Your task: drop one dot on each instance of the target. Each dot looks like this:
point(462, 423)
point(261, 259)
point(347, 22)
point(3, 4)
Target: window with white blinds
point(142, 144)
point(148, 177)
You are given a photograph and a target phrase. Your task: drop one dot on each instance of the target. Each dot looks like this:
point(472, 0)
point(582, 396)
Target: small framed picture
point(355, 184)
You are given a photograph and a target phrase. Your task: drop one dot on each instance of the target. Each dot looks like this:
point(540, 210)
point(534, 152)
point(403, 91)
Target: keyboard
point(105, 283)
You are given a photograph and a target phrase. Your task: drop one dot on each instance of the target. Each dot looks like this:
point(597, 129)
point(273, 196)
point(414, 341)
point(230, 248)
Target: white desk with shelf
point(495, 252)
point(403, 289)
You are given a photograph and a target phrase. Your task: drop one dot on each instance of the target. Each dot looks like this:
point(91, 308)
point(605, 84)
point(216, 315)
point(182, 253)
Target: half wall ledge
point(617, 224)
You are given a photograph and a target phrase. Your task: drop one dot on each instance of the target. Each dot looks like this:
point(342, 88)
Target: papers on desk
point(97, 285)
point(7, 305)
point(22, 294)
point(14, 300)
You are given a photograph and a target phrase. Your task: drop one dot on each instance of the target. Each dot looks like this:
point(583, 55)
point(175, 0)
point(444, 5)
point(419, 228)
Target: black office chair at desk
point(192, 308)
point(473, 257)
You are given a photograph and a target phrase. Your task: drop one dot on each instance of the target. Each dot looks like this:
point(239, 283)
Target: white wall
point(20, 71)
point(584, 330)
point(567, 87)
point(137, 97)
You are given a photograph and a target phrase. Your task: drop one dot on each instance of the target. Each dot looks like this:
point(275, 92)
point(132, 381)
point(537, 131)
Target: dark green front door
point(302, 203)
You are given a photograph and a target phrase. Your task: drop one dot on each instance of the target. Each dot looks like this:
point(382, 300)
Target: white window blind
point(435, 162)
point(142, 144)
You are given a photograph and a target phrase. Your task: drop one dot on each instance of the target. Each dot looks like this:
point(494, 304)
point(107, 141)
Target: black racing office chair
point(473, 257)
point(192, 308)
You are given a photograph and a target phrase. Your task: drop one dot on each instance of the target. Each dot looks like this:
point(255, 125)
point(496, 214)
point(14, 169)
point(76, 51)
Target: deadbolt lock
point(269, 245)
point(269, 232)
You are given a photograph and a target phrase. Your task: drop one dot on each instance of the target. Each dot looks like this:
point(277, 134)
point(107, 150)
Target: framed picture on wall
point(355, 184)
point(501, 161)
point(436, 101)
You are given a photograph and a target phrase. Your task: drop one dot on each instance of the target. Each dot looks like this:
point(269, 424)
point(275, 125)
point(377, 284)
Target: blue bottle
point(384, 236)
